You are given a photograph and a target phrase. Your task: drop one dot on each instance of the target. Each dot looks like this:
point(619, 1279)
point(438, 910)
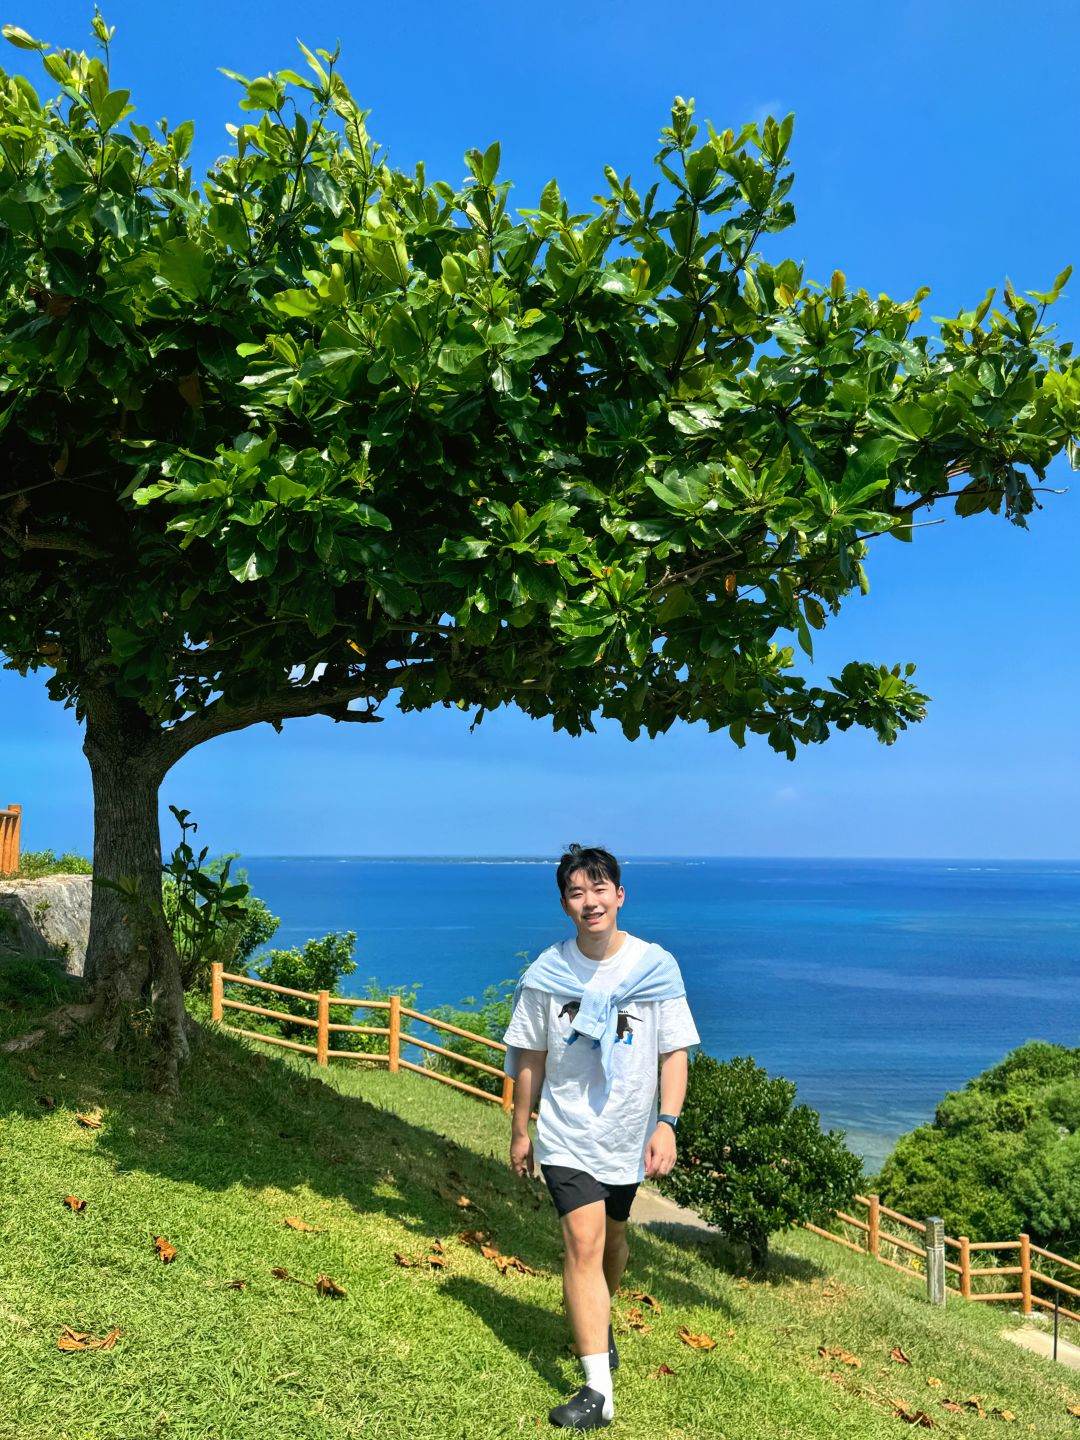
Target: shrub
point(1003, 1154)
point(321, 965)
point(751, 1161)
point(490, 1017)
point(36, 863)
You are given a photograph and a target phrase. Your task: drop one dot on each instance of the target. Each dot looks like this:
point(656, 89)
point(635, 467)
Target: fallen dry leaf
point(47, 1102)
point(899, 1356)
point(236, 1285)
point(914, 1417)
point(952, 1407)
point(279, 1273)
point(1003, 1414)
point(636, 1320)
point(974, 1403)
point(654, 1305)
point(437, 1262)
point(511, 1262)
point(933, 1382)
point(166, 1252)
point(405, 1260)
point(474, 1237)
point(330, 1288)
point(91, 1120)
point(835, 1352)
point(1073, 1410)
point(74, 1203)
point(437, 1247)
point(295, 1223)
point(663, 1370)
point(696, 1342)
point(463, 1202)
point(80, 1340)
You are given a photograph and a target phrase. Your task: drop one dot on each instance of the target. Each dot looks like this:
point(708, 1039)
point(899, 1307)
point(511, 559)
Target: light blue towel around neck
point(654, 976)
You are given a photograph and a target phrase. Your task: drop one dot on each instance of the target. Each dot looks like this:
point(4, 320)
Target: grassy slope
point(377, 1163)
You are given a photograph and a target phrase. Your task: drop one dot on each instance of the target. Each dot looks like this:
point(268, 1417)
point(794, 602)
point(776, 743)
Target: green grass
point(377, 1163)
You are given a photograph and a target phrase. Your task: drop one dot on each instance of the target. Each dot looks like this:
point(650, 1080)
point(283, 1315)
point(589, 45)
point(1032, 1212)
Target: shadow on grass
point(253, 1119)
point(538, 1334)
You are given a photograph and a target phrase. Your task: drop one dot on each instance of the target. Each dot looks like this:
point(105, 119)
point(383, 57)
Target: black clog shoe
point(612, 1353)
point(584, 1411)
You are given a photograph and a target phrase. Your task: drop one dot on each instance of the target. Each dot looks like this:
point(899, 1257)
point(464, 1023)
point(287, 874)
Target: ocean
point(875, 985)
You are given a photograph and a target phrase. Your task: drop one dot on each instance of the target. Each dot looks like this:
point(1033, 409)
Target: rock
point(49, 917)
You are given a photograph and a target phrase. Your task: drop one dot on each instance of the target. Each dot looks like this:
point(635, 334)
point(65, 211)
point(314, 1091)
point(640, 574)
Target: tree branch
point(289, 703)
point(57, 540)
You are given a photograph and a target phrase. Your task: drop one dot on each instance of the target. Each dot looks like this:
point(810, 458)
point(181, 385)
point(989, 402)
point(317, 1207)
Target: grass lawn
point(379, 1164)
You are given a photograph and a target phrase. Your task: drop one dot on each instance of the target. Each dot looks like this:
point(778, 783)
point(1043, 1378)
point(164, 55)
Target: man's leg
point(585, 1282)
point(616, 1253)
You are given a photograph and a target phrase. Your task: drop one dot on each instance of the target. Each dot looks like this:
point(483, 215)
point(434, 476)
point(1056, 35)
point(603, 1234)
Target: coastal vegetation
point(173, 1229)
point(315, 436)
point(34, 864)
point(1002, 1155)
point(751, 1161)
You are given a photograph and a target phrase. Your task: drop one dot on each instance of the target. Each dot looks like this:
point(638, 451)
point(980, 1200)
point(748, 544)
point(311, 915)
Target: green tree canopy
point(316, 434)
point(1003, 1154)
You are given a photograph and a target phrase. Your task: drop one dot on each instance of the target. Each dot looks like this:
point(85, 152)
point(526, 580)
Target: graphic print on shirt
point(623, 1034)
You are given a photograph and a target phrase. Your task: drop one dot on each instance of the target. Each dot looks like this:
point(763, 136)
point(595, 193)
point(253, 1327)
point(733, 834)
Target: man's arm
point(527, 1085)
point(661, 1151)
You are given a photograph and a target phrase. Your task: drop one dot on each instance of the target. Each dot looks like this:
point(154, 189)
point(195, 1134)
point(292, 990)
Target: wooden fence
point(922, 1249)
point(325, 1028)
point(970, 1282)
point(10, 824)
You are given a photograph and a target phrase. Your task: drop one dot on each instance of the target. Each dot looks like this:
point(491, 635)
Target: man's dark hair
point(598, 865)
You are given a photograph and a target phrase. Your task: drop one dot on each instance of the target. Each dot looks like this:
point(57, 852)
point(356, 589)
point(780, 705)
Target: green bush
point(751, 1161)
point(36, 863)
point(1003, 1154)
point(489, 1017)
point(322, 965)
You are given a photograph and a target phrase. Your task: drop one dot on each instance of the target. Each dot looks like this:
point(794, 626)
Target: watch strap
point(672, 1120)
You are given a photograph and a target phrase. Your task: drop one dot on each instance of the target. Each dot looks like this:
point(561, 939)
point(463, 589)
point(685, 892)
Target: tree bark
point(131, 964)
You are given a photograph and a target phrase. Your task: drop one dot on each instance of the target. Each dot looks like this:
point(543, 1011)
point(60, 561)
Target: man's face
point(593, 905)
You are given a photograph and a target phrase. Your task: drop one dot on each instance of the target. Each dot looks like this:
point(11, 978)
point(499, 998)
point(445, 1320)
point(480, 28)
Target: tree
point(1003, 1154)
point(318, 435)
point(751, 1161)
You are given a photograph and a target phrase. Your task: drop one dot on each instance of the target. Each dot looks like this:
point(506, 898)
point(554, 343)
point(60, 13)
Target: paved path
point(649, 1206)
point(1042, 1342)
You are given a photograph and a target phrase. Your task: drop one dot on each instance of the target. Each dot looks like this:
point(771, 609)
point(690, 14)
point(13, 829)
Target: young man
point(593, 1017)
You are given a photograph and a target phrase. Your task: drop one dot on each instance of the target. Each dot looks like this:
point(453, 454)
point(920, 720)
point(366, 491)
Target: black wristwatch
point(672, 1120)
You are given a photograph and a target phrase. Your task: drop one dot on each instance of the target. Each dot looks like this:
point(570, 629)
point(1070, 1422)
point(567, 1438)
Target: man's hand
point(521, 1155)
point(660, 1153)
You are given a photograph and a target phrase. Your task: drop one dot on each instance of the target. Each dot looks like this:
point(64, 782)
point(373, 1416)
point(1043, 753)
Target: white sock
point(598, 1377)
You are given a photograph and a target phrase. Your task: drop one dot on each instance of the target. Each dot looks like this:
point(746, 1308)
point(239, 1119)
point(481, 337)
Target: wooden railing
point(325, 1028)
point(10, 823)
point(972, 1282)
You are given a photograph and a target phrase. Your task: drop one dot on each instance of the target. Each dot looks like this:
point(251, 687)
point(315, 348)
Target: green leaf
point(462, 347)
point(529, 343)
point(186, 268)
point(20, 39)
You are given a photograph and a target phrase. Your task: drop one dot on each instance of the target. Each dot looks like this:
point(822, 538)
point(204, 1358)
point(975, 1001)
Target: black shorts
point(570, 1189)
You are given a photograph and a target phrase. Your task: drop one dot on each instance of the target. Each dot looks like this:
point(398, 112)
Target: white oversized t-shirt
point(575, 1125)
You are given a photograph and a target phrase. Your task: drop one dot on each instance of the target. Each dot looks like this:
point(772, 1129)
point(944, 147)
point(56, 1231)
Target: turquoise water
point(875, 985)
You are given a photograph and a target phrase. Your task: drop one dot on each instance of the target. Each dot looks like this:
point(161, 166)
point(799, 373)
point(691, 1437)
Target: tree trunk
point(131, 964)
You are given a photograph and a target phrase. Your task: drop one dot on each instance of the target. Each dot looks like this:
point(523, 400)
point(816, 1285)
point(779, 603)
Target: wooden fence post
point(395, 1032)
point(935, 1260)
point(508, 1094)
point(322, 1035)
point(965, 1267)
point(216, 991)
point(1025, 1273)
point(9, 840)
point(873, 1234)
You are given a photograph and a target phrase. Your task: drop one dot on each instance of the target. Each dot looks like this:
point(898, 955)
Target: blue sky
point(934, 144)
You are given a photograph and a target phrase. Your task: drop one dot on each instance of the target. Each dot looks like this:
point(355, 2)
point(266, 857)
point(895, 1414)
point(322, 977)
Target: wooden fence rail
point(874, 1237)
point(10, 825)
point(396, 1037)
point(925, 1241)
